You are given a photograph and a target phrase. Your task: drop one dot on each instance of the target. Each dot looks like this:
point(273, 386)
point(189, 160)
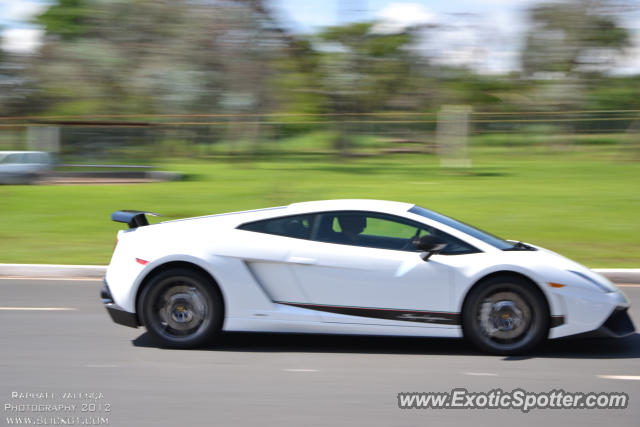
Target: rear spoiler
point(132, 218)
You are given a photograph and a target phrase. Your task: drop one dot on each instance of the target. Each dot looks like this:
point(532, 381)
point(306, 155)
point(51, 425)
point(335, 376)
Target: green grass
point(583, 204)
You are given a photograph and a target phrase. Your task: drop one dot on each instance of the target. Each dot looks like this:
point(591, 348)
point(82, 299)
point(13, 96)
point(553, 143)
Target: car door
point(376, 278)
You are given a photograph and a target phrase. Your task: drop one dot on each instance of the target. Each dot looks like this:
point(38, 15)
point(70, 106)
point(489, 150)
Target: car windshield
point(490, 239)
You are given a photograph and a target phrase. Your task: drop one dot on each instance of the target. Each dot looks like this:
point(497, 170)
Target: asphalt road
point(272, 379)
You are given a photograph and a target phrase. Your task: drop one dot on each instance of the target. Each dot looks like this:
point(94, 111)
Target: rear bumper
point(117, 313)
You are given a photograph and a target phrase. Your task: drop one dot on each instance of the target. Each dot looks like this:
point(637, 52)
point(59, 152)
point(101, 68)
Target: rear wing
point(133, 219)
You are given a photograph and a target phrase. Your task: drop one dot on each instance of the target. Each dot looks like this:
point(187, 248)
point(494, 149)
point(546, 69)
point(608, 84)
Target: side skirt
point(436, 317)
point(235, 324)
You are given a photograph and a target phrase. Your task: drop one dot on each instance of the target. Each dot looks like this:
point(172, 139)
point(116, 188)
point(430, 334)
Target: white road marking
point(300, 370)
point(37, 309)
point(481, 374)
point(620, 377)
point(101, 366)
point(61, 279)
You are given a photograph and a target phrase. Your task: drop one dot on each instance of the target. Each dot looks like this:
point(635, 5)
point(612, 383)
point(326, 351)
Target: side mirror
point(429, 245)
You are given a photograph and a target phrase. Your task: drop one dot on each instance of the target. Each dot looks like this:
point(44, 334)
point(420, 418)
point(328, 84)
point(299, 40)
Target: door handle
point(301, 260)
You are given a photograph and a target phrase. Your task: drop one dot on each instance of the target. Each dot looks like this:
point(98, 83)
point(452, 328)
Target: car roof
point(349, 205)
point(232, 219)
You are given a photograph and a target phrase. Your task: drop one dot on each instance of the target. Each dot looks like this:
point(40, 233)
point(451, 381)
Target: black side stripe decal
point(439, 317)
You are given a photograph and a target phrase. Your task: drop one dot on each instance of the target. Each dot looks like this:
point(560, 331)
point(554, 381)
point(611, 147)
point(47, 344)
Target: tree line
point(233, 57)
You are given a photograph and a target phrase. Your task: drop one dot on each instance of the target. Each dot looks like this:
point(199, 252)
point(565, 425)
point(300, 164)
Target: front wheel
point(181, 308)
point(505, 315)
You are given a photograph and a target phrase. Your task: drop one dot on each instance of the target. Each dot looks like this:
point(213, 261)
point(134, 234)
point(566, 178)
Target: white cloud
point(487, 42)
point(18, 34)
point(21, 40)
point(629, 63)
point(21, 10)
point(302, 17)
point(396, 17)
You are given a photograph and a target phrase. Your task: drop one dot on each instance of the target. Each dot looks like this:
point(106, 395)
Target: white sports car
point(350, 267)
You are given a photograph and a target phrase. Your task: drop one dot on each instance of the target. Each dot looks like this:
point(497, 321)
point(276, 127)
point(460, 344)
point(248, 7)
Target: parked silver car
point(23, 167)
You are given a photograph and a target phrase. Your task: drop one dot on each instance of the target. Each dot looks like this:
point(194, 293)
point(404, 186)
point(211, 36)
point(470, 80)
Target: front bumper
point(117, 313)
point(617, 325)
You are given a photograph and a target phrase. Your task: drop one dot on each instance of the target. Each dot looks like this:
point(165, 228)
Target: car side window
point(381, 231)
point(296, 226)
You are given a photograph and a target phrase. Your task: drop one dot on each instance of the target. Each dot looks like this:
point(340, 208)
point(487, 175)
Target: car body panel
point(334, 274)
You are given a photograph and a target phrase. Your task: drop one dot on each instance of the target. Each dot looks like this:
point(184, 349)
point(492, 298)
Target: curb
point(619, 275)
point(52, 271)
point(616, 275)
point(155, 175)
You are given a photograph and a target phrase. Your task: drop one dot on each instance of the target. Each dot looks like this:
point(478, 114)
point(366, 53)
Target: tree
point(15, 84)
point(362, 71)
point(67, 19)
point(144, 56)
point(572, 37)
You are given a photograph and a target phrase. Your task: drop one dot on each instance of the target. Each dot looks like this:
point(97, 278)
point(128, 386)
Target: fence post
point(43, 138)
point(452, 134)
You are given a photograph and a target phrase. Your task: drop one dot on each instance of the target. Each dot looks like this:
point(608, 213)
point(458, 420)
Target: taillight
point(142, 261)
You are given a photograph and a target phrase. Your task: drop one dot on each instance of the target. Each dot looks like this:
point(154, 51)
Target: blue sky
point(483, 34)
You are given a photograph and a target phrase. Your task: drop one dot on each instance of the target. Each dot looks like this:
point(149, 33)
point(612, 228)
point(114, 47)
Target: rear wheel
point(505, 315)
point(181, 308)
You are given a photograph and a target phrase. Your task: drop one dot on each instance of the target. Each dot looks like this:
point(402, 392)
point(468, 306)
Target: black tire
point(181, 308)
point(505, 315)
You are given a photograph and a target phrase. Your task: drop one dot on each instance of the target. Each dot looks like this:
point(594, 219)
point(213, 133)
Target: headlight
point(599, 285)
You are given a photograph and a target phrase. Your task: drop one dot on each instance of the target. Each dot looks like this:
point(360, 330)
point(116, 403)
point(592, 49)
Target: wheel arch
point(177, 264)
point(506, 274)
